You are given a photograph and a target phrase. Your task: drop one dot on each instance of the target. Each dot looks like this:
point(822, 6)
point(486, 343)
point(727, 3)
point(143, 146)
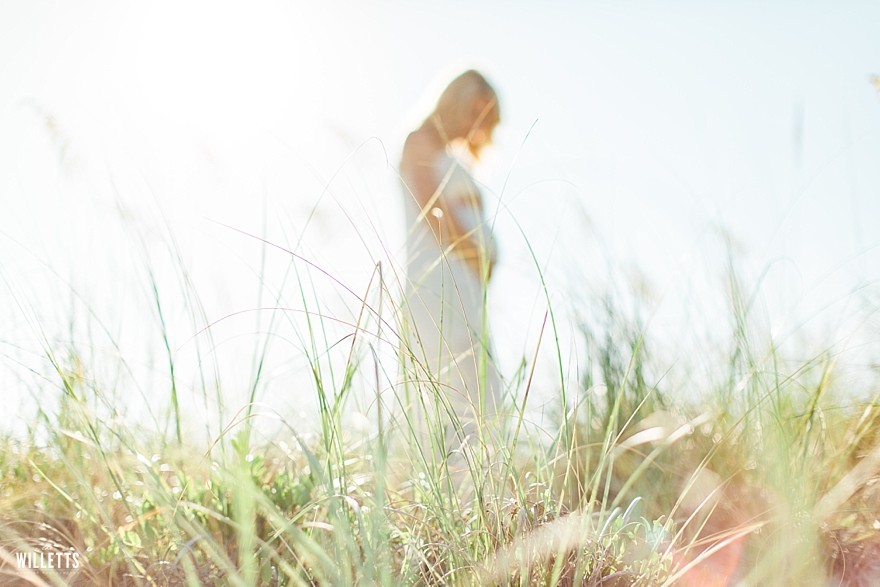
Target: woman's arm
point(422, 178)
point(425, 181)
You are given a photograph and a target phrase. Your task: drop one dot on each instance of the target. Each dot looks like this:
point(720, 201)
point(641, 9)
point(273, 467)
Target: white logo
point(48, 559)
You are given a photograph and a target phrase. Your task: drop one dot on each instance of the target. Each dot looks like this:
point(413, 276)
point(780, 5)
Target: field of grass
point(768, 477)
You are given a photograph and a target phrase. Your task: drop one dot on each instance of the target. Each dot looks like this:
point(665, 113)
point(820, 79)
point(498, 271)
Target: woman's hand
point(475, 257)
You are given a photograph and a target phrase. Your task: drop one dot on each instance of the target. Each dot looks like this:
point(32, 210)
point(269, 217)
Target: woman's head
point(467, 109)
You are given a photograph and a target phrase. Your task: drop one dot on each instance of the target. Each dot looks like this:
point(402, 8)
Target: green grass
point(774, 465)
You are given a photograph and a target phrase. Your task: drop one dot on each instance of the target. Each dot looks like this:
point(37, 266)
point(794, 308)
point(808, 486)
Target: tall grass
point(766, 477)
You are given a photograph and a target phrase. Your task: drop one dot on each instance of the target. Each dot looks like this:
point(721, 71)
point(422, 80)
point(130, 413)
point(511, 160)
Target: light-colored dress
point(448, 337)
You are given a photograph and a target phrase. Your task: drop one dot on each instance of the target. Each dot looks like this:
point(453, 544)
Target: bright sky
point(655, 126)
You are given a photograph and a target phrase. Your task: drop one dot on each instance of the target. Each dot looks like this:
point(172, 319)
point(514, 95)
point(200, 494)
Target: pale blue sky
point(660, 121)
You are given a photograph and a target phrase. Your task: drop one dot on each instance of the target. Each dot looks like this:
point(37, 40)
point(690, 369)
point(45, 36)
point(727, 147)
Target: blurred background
point(149, 151)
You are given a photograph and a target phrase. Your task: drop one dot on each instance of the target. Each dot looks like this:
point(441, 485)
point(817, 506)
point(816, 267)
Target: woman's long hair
point(467, 100)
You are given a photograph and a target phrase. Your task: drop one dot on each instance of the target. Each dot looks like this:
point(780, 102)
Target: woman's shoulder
point(421, 150)
point(422, 140)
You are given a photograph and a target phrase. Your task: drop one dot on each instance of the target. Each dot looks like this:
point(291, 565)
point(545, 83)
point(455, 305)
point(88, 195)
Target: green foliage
point(772, 466)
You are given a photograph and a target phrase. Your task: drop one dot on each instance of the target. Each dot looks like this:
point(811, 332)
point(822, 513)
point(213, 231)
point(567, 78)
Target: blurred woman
point(450, 256)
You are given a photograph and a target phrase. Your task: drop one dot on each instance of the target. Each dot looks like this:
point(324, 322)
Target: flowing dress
point(448, 341)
